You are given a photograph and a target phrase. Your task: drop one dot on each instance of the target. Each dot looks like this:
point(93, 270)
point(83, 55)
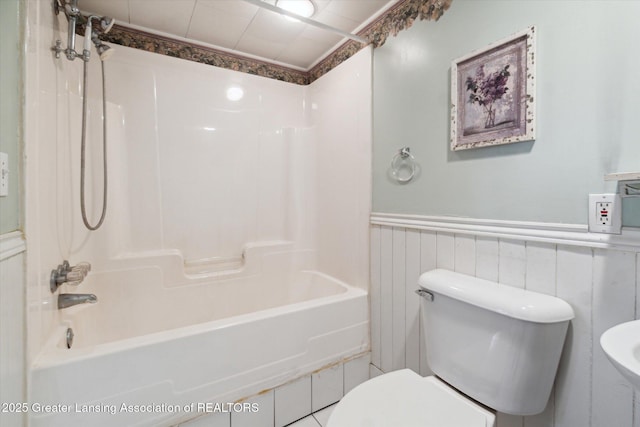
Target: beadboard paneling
point(602, 284)
point(12, 327)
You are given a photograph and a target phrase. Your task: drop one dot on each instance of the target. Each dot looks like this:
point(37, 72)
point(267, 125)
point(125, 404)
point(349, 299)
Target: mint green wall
point(10, 81)
point(588, 112)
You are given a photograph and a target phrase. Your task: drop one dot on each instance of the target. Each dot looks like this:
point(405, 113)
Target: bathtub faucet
point(69, 300)
point(71, 275)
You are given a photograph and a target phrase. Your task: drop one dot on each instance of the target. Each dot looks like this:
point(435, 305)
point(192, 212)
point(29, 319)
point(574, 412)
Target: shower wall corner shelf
point(628, 183)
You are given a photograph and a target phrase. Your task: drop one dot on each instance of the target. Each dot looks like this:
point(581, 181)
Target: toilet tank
point(498, 344)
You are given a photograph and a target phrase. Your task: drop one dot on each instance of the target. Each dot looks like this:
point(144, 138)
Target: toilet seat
point(405, 399)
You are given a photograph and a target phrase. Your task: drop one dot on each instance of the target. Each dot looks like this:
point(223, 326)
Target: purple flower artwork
point(492, 95)
point(487, 91)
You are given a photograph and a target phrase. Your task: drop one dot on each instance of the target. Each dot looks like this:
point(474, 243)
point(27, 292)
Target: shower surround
point(232, 199)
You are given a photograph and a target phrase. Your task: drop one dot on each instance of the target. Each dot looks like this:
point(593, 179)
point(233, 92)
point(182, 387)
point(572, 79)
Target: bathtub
point(151, 355)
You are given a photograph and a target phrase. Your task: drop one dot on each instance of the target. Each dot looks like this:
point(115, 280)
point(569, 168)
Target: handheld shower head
point(104, 51)
point(88, 36)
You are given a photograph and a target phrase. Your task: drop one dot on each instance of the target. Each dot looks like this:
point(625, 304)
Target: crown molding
point(399, 17)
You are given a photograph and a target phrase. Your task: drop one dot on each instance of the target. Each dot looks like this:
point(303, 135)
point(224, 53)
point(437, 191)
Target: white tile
point(303, 51)
point(613, 303)
point(573, 382)
point(465, 255)
point(356, 372)
point(375, 295)
point(309, 421)
point(399, 297)
point(264, 417)
point(323, 415)
point(220, 25)
point(412, 303)
point(292, 401)
point(487, 258)
point(445, 257)
point(386, 298)
point(218, 419)
point(327, 387)
point(162, 15)
point(512, 263)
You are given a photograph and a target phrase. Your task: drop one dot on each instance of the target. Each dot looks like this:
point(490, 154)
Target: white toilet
point(492, 348)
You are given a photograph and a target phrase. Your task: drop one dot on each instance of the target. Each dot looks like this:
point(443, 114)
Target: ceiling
point(245, 28)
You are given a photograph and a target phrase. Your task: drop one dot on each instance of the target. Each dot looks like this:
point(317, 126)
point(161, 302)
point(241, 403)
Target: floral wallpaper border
point(399, 17)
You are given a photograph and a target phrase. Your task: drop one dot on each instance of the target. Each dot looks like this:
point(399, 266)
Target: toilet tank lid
point(512, 302)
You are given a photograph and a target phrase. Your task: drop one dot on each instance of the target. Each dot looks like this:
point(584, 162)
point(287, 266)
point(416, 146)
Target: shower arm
point(75, 16)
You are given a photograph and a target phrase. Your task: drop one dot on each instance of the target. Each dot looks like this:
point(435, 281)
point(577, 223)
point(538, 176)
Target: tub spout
point(68, 300)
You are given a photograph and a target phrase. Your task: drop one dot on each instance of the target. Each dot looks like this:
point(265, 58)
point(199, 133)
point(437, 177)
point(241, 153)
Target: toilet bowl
point(491, 347)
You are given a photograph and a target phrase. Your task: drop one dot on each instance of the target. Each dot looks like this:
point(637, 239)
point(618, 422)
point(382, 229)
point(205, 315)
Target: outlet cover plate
point(605, 213)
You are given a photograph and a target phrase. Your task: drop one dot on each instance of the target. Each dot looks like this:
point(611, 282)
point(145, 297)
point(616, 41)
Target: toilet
point(491, 348)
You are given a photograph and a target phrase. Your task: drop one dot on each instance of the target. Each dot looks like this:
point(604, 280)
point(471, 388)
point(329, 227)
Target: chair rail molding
point(11, 244)
point(565, 234)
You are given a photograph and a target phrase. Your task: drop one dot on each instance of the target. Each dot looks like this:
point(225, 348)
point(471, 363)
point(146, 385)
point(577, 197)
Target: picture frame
point(492, 94)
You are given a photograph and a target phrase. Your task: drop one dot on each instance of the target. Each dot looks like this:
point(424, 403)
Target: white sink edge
point(620, 343)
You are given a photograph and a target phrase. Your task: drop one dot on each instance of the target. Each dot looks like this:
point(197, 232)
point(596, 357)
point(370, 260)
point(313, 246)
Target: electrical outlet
point(605, 213)
point(602, 213)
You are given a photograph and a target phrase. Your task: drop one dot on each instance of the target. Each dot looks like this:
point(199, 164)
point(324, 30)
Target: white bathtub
point(165, 349)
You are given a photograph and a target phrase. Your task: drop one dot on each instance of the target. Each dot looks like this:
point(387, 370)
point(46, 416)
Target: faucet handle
point(75, 276)
point(83, 267)
point(65, 273)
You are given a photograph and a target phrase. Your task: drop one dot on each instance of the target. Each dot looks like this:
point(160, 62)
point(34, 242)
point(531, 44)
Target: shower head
point(104, 51)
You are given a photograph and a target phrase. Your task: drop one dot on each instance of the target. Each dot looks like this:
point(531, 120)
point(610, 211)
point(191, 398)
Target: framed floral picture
point(492, 94)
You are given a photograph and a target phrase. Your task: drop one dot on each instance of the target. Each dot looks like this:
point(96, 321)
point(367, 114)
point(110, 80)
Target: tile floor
point(289, 405)
point(317, 419)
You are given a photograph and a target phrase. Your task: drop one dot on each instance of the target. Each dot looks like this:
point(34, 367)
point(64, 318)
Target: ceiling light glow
point(303, 8)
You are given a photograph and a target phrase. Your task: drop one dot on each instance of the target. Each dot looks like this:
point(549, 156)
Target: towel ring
point(403, 161)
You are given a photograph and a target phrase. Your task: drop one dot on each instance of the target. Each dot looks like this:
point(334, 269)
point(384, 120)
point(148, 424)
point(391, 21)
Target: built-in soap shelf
point(628, 183)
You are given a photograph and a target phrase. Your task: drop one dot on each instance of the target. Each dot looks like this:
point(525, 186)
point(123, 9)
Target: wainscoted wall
point(598, 275)
point(546, 180)
point(12, 326)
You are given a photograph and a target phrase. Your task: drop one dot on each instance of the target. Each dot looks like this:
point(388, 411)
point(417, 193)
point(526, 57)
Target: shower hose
point(83, 149)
